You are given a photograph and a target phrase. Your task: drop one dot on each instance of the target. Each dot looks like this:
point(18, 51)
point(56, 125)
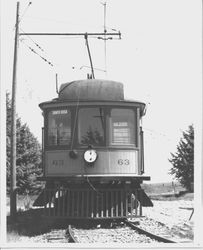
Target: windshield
point(91, 126)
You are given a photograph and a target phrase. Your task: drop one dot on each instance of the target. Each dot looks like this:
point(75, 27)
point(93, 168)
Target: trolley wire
point(36, 44)
point(21, 17)
point(38, 47)
point(44, 19)
point(156, 133)
point(35, 52)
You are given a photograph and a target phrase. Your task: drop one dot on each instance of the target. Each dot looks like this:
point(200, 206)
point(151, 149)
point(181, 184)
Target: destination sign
point(60, 112)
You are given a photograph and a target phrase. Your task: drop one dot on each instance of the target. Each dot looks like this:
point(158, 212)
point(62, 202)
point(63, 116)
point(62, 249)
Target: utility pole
point(13, 188)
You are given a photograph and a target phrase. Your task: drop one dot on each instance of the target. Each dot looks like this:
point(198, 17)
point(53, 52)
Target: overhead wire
point(67, 22)
point(151, 131)
point(38, 47)
point(35, 52)
point(21, 17)
point(44, 58)
point(36, 44)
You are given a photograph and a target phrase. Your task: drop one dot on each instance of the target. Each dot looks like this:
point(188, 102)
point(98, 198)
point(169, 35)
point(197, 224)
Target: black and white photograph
point(101, 124)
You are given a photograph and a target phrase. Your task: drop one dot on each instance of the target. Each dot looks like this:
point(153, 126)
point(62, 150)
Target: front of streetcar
point(93, 153)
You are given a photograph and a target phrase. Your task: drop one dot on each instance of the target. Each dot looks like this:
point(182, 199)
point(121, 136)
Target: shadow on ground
point(32, 222)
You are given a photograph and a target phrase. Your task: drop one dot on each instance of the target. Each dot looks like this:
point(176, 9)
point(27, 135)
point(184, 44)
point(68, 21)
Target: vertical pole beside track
point(13, 188)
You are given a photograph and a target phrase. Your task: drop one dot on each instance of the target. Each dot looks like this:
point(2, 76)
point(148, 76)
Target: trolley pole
point(85, 35)
point(13, 188)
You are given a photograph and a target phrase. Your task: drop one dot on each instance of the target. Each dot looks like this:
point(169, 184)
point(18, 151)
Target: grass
point(167, 191)
point(31, 225)
point(29, 222)
point(162, 188)
point(23, 201)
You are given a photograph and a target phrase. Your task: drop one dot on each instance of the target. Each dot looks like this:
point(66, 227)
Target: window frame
point(136, 138)
point(46, 121)
point(74, 118)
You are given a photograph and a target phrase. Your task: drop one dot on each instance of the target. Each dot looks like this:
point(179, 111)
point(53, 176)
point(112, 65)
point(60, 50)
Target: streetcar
point(93, 153)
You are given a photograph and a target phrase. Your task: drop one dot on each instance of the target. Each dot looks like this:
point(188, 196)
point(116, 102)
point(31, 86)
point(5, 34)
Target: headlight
point(90, 156)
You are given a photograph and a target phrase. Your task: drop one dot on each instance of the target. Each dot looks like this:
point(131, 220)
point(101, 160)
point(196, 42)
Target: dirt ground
point(176, 214)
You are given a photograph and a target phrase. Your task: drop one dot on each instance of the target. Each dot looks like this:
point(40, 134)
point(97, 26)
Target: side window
point(59, 127)
point(91, 126)
point(122, 127)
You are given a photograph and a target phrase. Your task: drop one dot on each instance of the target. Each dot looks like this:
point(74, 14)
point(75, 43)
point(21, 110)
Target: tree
point(183, 160)
point(28, 155)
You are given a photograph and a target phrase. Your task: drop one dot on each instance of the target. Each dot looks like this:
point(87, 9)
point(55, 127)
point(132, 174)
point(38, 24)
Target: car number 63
point(123, 162)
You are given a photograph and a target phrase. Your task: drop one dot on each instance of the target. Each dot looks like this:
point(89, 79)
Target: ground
point(176, 215)
point(173, 207)
point(172, 210)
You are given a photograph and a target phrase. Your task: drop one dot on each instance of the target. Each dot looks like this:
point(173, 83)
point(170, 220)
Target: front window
point(122, 127)
point(59, 127)
point(91, 126)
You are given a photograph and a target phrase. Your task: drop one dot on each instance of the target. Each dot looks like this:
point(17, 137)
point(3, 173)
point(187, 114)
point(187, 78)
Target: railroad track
point(72, 237)
point(61, 236)
point(149, 234)
point(127, 232)
point(57, 236)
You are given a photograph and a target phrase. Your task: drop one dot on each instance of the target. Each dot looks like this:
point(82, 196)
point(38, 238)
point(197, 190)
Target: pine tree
point(28, 155)
point(183, 160)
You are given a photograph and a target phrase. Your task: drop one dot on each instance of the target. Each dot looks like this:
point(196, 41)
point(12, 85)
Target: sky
point(158, 60)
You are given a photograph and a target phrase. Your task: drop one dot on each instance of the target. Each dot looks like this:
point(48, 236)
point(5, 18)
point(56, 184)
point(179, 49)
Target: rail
point(149, 234)
point(71, 235)
point(98, 234)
